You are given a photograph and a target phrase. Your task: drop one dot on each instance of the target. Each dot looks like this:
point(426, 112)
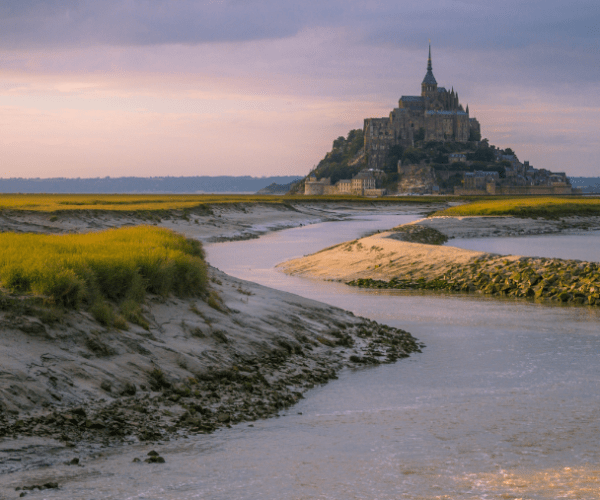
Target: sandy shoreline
point(196, 368)
point(379, 256)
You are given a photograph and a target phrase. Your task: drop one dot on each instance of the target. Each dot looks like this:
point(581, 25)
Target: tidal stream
point(503, 403)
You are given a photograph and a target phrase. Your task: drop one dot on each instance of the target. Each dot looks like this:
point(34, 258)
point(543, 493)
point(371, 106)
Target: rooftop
point(412, 98)
point(429, 78)
point(441, 112)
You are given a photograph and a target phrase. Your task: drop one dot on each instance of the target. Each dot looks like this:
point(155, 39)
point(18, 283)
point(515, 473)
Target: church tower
point(429, 85)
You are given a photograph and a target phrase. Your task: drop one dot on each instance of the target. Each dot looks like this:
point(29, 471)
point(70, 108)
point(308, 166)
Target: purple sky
point(177, 87)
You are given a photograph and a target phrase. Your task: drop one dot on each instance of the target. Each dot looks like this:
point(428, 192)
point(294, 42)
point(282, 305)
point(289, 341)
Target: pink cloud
point(263, 107)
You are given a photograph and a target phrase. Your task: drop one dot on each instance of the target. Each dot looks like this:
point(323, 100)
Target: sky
point(263, 87)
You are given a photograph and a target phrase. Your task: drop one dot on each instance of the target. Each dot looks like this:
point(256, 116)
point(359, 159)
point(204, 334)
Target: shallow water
point(503, 403)
point(564, 246)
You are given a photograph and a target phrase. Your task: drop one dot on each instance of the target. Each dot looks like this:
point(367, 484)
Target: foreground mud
point(70, 386)
point(69, 382)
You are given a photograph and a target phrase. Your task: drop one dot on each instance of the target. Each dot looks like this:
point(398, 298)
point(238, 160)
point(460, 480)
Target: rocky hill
point(425, 165)
point(344, 161)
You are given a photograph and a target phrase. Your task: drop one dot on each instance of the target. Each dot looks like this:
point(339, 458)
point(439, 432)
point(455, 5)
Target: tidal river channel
point(503, 403)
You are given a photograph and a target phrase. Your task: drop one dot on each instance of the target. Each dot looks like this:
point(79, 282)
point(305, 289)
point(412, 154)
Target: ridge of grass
point(56, 203)
point(95, 270)
point(526, 207)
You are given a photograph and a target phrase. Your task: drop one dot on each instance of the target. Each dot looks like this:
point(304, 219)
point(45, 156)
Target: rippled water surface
point(502, 404)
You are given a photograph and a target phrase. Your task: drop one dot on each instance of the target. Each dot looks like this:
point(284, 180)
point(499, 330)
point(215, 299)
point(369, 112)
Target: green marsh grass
point(543, 207)
point(117, 266)
point(56, 203)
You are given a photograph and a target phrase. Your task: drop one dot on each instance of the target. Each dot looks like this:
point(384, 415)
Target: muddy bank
point(493, 226)
point(69, 385)
point(207, 223)
point(541, 279)
point(410, 257)
point(69, 382)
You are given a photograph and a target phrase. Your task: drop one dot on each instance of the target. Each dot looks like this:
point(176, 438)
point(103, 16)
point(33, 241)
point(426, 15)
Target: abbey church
point(435, 115)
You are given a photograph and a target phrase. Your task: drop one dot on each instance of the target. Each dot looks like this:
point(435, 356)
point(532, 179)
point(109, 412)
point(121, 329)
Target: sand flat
point(383, 257)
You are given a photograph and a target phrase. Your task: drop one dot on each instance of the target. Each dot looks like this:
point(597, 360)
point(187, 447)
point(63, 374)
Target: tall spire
point(429, 60)
point(429, 79)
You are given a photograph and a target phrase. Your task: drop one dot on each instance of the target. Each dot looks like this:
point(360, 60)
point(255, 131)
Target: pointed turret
point(467, 108)
point(429, 85)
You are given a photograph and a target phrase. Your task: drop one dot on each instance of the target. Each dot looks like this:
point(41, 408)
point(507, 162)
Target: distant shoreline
point(144, 185)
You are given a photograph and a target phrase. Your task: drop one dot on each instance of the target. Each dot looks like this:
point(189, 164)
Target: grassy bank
point(537, 278)
point(544, 207)
point(118, 265)
point(152, 203)
point(120, 202)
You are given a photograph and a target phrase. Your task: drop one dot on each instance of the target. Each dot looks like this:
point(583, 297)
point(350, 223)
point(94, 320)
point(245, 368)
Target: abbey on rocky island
point(409, 144)
point(435, 115)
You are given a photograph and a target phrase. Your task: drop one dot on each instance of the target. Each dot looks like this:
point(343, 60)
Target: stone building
point(362, 181)
point(435, 115)
point(312, 186)
point(519, 179)
point(479, 180)
point(365, 183)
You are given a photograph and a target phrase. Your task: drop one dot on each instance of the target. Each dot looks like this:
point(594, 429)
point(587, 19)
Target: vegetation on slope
point(544, 207)
point(344, 161)
point(95, 269)
point(347, 157)
point(479, 156)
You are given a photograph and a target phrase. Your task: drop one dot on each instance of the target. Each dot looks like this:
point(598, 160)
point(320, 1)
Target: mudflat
point(196, 364)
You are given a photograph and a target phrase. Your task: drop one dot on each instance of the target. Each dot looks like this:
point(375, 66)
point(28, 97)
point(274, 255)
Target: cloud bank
point(111, 81)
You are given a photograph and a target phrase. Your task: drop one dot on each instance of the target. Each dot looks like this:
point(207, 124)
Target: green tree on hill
point(343, 161)
point(394, 154)
point(413, 155)
point(482, 153)
point(419, 135)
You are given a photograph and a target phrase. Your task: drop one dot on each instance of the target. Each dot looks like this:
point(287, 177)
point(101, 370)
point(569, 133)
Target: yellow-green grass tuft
point(118, 265)
point(544, 207)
